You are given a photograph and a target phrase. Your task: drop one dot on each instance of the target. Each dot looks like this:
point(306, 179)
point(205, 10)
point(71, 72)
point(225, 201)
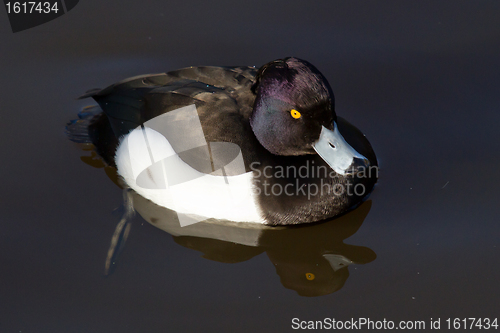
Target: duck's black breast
point(222, 96)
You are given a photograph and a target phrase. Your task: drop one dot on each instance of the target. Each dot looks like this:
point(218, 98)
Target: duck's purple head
point(294, 114)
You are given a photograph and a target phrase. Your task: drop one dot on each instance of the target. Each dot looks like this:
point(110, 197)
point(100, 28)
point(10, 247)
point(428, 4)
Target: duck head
point(294, 114)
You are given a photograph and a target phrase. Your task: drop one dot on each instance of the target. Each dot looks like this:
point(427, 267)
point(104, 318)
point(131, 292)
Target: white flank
point(202, 196)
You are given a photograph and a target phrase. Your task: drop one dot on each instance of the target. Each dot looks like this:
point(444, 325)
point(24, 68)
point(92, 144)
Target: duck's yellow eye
point(295, 113)
point(309, 276)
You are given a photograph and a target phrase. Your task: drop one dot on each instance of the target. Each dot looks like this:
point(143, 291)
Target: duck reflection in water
point(311, 259)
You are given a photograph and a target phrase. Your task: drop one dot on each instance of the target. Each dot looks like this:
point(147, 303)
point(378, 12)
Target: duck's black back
point(222, 96)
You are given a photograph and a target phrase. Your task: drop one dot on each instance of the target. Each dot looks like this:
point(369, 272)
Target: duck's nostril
point(331, 145)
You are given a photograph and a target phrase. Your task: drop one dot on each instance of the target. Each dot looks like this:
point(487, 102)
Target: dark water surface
point(421, 79)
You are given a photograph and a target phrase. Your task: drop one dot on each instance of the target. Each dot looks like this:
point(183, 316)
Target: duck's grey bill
point(335, 151)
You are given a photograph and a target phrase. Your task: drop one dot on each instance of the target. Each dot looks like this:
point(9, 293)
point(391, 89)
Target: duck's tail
point(92, 126)
point(78, 130)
